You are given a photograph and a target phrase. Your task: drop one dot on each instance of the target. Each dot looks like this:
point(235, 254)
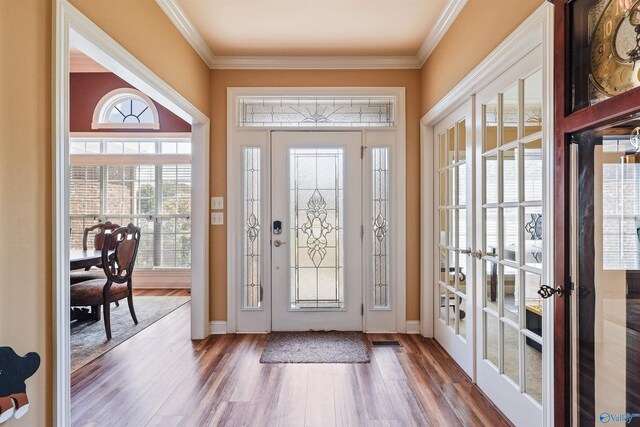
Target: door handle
point(468, 251)
point(547, 291)
point(278, 243)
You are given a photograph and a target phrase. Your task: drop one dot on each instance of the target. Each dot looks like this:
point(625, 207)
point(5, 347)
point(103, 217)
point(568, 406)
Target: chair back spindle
point(124, 241)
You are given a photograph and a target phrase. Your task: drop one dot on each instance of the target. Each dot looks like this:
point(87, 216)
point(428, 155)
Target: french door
point(510, 172)
point(453, 327)
point(316, 212)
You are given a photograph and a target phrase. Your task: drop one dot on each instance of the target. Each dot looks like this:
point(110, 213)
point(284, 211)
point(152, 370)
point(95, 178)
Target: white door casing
point(316, 257)
point(535, 31)
point(454, 234)
point(391, 140)
point(72, 24)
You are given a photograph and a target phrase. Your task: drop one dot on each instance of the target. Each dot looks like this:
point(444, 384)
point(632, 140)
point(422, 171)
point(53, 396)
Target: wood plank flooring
point(160, 377)
point(155, 292)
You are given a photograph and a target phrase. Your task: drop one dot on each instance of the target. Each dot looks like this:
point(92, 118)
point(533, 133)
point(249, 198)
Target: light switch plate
point(217, 218)
point(217, 202)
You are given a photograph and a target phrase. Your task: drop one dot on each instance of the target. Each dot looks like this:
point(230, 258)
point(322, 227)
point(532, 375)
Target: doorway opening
point(130, 163)
point(74, 29)
point(488, 158)
point(316, 209)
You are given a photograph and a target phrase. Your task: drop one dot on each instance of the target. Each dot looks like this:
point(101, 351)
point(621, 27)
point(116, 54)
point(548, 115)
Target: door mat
point(316, 347)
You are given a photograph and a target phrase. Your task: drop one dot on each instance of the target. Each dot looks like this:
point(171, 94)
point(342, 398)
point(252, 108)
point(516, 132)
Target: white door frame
point(68, 23)
point(534, 31)
point(442, 332)
point(520, 408)
point(241, 137)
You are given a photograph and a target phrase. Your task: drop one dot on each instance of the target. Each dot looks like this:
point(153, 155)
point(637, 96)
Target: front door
point(316, 231)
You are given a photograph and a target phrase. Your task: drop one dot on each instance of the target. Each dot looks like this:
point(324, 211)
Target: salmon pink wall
point(88, 88)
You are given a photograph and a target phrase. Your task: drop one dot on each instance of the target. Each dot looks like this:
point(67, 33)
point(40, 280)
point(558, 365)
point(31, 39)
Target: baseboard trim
point(413, 327)
point(170, 279)
point(218, 327)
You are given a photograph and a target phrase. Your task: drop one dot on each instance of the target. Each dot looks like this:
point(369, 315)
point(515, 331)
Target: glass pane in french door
point(452, 214)
point(512, 235)
point(607, 293)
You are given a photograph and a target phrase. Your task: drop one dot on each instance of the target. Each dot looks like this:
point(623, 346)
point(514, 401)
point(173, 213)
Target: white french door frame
point(496, 385)
point(70, 23)
point(243, 320)
point(537, 30)
point(461, 350)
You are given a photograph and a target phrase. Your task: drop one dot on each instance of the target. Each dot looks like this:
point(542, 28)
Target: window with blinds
point(154, 196)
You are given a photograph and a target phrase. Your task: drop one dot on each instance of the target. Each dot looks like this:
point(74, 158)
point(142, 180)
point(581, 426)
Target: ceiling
point(403, 30)
point(316, 28)
point(81, 63)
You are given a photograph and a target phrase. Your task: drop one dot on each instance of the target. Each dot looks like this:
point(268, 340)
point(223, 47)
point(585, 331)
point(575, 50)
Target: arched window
point(125, 109)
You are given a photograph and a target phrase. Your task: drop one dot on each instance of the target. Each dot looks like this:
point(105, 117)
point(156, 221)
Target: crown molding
point(444, 22)
point(313, 62)
point(520, 42)
point(175, 13)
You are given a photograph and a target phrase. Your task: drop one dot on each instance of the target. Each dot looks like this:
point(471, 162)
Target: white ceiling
point(313, 28)
point(402, 33)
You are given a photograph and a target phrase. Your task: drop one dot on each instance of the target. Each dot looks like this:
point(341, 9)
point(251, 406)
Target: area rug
point(89, 340)
point(315, 347)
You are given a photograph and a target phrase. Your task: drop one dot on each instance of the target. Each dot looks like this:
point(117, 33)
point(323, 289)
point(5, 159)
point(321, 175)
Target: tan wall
point(481, 27)
point(142, 28)
point(145, 31)
point(25, 191)
point(221, 80)
point(26, 156)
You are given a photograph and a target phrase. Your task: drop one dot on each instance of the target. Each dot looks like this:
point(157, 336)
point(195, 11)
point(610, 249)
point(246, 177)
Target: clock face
point(615, 47)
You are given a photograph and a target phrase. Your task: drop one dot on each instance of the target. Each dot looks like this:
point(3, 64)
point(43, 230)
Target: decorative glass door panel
point(454, 275)
point(316, 196)
point(316, 241)
point(510, 316)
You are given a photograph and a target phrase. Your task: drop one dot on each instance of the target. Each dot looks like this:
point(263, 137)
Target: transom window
point(125, 108)
point(120, 145)
point(305, 111)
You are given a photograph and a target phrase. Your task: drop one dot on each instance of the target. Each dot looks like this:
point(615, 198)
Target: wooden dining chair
point(118, 268)
point(103, 229)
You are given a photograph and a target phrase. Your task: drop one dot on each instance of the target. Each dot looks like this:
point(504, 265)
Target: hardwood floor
point(155, 292)
point(162, 378)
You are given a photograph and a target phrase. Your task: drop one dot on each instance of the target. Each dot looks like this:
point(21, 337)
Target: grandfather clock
point(597, 211)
